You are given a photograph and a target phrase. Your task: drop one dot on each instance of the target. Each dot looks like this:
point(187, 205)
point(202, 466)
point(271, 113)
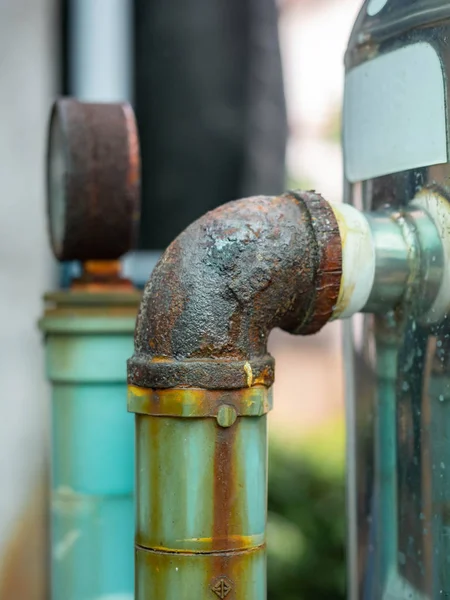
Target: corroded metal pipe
point(200, 379)
point(200, 385)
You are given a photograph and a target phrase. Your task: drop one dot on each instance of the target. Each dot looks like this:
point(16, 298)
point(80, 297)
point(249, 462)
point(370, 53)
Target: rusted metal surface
point(199, 370)
point(102, 275)
point(212, 374)
point(329, 262)
point(88, 337)
point(201, 505)
point(226, 282)
point(195, 403)
point(200, 486)
point(187, 576)
point(93, 180)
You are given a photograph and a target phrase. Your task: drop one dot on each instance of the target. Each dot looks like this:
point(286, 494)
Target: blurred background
point(109, 50)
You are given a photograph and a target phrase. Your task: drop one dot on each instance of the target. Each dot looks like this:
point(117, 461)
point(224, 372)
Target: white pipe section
point(100, 51)
point(358, 260)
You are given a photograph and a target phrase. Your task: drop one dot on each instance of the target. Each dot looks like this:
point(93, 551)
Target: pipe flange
point(328, 247)
point(199, 403)
point(207, 374)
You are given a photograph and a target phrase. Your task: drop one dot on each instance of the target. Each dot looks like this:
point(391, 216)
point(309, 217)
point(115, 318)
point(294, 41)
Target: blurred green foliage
point(306, 526)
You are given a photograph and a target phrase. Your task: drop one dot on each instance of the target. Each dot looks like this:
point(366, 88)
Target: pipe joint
point(226, 282)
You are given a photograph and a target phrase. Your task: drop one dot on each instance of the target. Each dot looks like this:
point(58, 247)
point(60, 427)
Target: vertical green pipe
point(87, 340)
point(201, 493)
point(386, 452)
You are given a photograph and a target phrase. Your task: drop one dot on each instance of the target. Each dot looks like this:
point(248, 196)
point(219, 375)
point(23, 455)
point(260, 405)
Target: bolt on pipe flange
point(93, 180)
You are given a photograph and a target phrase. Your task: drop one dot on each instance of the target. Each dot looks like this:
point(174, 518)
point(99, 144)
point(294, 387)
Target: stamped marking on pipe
point(222, 586)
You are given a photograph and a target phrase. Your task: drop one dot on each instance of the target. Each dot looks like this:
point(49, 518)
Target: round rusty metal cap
point(93, 180)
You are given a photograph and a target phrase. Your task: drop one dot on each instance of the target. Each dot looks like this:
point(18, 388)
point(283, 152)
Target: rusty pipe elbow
point(229, 279)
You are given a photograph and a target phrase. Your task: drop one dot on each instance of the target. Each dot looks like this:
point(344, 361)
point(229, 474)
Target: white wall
point(28, 53)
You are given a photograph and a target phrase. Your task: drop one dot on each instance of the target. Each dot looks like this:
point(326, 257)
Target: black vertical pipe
point(210, 107)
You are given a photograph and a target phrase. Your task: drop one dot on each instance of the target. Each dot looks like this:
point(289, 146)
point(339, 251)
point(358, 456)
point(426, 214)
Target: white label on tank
point(394, 114)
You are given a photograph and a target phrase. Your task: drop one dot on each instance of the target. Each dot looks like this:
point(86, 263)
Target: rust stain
point(225, 488)
point(100, 276)
point(155, 572)
point(195, 403)
point(262, 377)
point(231, 542)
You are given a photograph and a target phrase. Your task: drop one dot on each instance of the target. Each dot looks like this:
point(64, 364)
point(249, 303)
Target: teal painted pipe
point(201, 492)
point(88, 338)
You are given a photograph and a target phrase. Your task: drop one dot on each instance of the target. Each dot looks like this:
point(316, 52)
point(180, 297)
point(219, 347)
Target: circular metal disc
point(93, 180)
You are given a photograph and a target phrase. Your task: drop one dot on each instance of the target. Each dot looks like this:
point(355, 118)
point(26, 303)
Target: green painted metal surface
point(201, 494)
point(92, 505)
point(187, 576)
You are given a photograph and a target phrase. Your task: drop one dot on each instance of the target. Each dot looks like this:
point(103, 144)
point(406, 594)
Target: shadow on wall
point(23, 571)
